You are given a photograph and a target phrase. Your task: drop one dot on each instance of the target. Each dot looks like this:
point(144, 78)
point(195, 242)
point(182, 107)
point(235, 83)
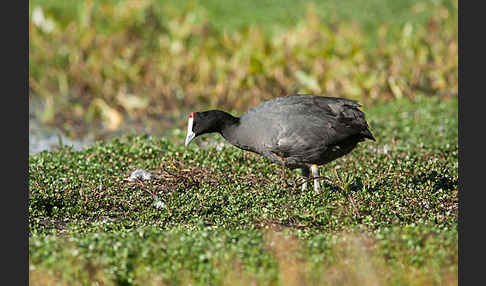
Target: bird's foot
point(317, 186)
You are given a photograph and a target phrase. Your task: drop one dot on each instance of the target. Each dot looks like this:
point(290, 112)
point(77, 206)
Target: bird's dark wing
point(309, 122)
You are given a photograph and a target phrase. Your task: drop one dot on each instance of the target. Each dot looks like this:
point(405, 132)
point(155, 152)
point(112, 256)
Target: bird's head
point(205, 122)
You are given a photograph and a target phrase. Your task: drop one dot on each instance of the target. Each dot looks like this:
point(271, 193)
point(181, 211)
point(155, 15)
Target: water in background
point(43, 137)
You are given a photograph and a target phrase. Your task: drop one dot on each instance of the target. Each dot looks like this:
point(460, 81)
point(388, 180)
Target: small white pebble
point(159, 204)
point(139, 174)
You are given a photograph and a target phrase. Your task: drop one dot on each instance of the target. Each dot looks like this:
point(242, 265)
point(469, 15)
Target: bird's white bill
point(190, 134)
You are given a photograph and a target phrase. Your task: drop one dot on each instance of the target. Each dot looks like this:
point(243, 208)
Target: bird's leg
point(283, 175)
point(305, 174)
point(272, 157)
point(276, 159)
point(315, 175)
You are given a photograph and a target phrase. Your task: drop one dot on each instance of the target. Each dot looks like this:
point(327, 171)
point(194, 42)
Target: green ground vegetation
point(387, 214)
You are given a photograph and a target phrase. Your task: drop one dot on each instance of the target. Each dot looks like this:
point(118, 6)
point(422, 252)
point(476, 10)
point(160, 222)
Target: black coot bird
point(295, 131)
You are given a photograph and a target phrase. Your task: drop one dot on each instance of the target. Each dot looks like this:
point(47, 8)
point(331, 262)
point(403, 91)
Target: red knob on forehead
point(191, 115)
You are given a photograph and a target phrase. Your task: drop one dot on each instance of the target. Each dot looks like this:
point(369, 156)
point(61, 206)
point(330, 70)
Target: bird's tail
point(367, 134)
point(357, 117)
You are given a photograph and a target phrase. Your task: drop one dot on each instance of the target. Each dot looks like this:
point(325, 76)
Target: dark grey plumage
point(295, 131)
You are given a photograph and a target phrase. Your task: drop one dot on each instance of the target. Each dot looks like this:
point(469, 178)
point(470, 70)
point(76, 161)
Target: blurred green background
point(141, 66)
